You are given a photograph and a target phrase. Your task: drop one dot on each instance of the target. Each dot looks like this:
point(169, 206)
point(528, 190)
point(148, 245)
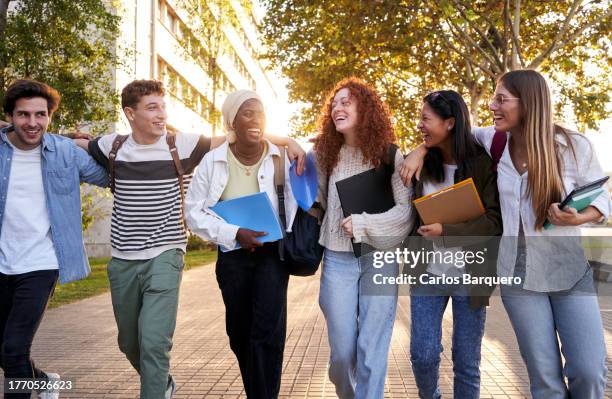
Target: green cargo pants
point(145, 301)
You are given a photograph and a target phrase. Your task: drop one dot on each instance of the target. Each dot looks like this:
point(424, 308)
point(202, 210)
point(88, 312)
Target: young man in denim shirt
point(41, 236)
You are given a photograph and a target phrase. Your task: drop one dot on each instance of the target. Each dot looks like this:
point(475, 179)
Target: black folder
point(369, 192)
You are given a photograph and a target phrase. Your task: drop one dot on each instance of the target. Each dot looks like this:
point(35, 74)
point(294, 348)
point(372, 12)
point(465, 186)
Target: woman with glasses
point(554, 311)
point(453, 155)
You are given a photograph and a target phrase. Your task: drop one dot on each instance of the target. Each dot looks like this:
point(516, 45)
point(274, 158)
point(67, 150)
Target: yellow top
point(242, 179)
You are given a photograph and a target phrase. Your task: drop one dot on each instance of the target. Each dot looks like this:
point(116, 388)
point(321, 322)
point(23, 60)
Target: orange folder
point(455, 204)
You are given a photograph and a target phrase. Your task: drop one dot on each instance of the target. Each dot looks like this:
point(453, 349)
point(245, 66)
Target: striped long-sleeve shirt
point(146, 217)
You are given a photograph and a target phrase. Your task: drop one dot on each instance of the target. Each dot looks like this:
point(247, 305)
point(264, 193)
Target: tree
point(407, 48)
point(68, 45)
point(209, 21)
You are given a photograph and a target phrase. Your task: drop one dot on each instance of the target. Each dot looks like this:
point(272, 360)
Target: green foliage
point(409, 47)
point(69, 45)
point(195, 243)
point(92, 204)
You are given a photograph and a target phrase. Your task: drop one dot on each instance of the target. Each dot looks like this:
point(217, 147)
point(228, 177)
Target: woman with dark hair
point(554, 310)
point(356, 136)
point(453, 156)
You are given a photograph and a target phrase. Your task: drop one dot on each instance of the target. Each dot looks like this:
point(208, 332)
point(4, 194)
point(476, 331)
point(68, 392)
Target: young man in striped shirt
point(148, 235)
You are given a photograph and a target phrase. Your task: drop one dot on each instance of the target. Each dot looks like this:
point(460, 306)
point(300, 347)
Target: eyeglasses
point(436, 94)
point(500, 99)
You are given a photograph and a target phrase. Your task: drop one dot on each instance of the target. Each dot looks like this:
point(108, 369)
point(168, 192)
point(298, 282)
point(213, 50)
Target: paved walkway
point(79, 342)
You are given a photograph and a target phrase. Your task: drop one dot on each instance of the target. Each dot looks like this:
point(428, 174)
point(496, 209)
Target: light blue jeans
point(542, 321)
point(360, 319)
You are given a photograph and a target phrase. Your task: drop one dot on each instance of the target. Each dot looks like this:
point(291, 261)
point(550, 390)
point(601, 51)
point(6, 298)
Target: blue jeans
point(427, 305)
point(538, 318)
point(359, 323)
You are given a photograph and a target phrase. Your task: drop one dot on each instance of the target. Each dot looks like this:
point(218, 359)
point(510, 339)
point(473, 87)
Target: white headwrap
point(230, 108)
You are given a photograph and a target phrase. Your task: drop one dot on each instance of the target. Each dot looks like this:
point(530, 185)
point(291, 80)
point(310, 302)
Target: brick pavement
point(79, 342)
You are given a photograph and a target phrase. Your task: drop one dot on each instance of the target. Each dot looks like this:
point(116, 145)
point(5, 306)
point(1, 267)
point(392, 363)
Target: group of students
point(521, 181)
point(521, 168)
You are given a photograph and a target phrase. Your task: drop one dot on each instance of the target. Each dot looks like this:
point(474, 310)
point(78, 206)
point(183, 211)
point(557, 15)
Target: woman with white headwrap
point(252, 278)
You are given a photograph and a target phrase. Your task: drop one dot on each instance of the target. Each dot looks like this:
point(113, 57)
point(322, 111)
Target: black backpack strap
point(389, 159)
point(117, 143)
point(180, 172)
point(279, 184)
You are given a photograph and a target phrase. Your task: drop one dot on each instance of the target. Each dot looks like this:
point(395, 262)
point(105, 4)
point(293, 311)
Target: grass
point(97, 282)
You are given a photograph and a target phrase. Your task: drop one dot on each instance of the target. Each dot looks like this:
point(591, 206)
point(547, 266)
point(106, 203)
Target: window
point(178, 87)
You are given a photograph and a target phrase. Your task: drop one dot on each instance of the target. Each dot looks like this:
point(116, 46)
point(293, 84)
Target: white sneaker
point(50, 393)
point(171, 388)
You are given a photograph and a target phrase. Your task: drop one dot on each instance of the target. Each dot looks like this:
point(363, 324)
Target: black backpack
point(299, 250)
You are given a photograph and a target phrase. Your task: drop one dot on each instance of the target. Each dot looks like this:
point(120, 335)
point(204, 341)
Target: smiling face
point(344, 112)
point(435, 129)
point(30, 119)
point(506, 109)
point(149, 116)
point(250, 122)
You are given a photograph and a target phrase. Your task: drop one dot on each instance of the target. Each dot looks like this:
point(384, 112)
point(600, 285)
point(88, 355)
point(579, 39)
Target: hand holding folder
point(368, 192)
point(254, 212)
point(455, 204)
point(582, 197)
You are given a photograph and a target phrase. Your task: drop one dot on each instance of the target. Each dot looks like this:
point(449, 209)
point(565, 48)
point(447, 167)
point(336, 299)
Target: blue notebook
point(253, 212)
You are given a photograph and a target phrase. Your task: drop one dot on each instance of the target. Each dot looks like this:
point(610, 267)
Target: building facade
point(171, 41)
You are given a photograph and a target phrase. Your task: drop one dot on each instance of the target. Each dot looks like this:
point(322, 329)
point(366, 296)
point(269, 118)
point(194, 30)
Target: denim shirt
point(64, 167)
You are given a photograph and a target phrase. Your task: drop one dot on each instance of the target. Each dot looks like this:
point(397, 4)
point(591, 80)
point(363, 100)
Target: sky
point(602, 141)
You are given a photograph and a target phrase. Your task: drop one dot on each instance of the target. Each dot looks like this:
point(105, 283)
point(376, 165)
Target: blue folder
point(305, 187)
point(254, 212)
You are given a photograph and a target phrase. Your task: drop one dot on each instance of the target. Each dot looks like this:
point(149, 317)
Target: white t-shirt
point(25, 240)
point(430, 187)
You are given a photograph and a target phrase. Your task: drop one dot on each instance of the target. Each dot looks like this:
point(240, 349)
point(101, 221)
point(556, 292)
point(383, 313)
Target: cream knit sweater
point(382, 231)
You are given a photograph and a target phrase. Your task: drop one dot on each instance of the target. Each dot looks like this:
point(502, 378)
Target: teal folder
point(254, 212)
point(579, 202)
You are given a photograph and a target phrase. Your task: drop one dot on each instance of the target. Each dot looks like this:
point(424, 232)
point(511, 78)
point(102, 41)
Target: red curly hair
point(374, 129)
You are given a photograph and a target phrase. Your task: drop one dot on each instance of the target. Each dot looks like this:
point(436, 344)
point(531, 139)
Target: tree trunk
point(475, 97)
point(213, 103)
point(213, 114)
point(515, 31)
point(3, 18)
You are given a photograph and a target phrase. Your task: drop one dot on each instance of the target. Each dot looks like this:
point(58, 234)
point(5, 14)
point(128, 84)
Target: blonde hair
point(545, 167)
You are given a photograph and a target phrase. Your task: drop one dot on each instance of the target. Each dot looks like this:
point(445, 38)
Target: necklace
point(248, 169)
point(513, 144)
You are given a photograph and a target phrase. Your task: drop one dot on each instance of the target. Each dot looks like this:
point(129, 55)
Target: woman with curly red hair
point(355, 136)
